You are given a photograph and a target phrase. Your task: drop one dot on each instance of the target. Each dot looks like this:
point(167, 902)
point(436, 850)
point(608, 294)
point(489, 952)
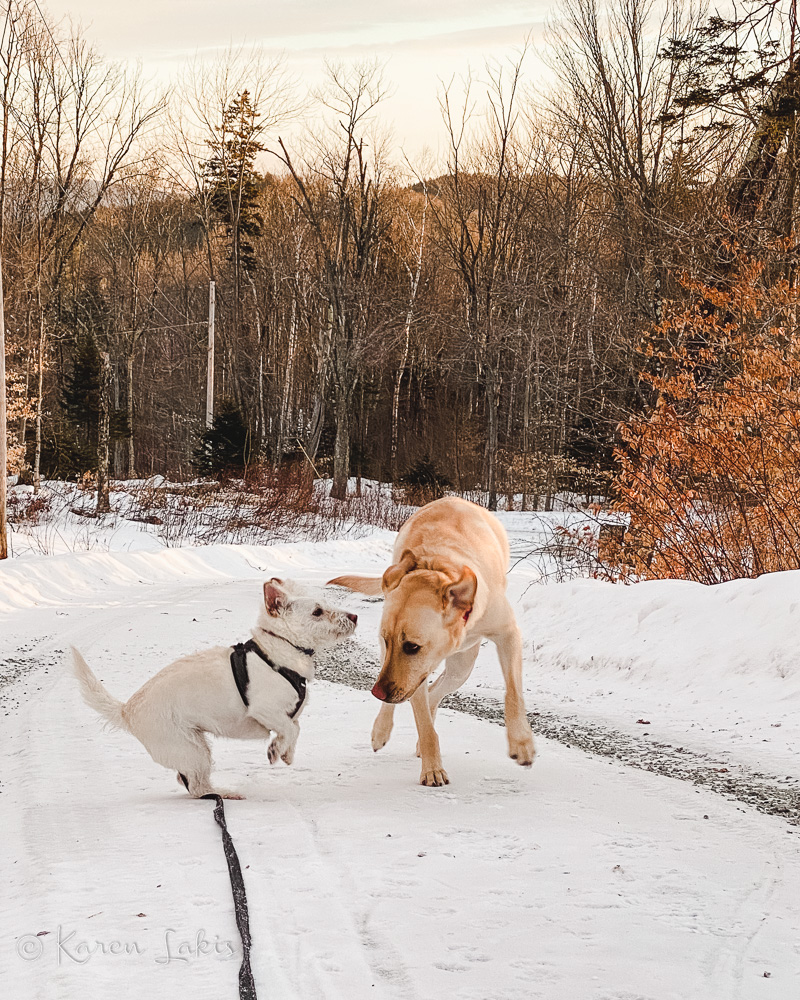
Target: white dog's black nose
point(353, 618)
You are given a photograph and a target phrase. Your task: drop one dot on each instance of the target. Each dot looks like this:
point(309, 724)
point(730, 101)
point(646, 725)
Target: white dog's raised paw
point(435, 777)
point(274, 752)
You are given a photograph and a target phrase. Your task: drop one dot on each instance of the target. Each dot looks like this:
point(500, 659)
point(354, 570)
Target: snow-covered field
point(579, 879)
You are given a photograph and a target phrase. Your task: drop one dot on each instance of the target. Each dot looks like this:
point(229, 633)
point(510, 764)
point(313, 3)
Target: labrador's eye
point(317, 612)
point(410, 648)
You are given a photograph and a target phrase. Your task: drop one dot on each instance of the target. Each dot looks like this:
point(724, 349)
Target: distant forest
point(504, 319)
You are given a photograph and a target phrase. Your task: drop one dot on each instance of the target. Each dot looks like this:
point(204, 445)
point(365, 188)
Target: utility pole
point(3, 429)
point(210, 372)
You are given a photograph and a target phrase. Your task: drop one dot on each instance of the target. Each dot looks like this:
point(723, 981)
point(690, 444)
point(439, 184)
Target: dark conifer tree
point(81, 391)
point(232, 182)
point(225, 447)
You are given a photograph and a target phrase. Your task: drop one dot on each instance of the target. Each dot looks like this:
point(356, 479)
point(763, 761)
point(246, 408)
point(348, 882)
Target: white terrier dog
point(244, 692)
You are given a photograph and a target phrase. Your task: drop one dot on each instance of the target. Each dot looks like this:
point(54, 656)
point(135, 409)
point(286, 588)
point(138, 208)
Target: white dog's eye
point(316, 612)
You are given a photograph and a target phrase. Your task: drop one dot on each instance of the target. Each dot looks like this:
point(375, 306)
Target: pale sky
point(420, 40)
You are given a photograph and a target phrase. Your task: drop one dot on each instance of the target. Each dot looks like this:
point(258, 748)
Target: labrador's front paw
point(381, 731)
point(433, 777)
point(521, 749)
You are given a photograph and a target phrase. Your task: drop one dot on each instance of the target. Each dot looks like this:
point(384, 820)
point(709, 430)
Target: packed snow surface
point(577, 879)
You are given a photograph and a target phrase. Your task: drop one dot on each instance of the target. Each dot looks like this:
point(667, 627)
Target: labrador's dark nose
point(353, 618)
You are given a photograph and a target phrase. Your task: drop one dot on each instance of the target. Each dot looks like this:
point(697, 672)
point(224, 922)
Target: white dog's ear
point(394, 574)
point(461, 595)
point(275, 599)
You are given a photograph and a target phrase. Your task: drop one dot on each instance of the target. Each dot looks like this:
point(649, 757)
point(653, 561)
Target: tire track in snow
point(380, 953)
point(356, 667)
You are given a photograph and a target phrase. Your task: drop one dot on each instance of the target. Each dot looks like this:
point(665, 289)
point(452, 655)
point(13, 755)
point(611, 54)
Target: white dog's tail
point(94, 694)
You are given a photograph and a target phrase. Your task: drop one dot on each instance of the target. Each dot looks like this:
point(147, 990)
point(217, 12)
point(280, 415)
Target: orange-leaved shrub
point(710, 478)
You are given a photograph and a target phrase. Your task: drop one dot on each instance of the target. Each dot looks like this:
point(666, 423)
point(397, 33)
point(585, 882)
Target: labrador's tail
point(361, 584)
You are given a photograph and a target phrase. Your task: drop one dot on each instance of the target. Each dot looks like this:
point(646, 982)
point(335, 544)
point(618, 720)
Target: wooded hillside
point(485, 317)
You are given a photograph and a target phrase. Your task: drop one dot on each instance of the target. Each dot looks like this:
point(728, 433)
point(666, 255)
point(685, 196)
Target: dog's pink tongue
point(379, 692)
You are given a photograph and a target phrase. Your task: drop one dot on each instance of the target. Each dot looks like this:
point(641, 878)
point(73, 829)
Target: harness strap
point(239, 669)
point(242, 677)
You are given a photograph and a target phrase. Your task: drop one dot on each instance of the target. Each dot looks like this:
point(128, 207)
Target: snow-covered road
point(578, 879)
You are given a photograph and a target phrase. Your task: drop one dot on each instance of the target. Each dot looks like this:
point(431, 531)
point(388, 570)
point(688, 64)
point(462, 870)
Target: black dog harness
point(242, 677)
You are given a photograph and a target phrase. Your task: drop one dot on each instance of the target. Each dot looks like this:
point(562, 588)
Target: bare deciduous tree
point(340, 194)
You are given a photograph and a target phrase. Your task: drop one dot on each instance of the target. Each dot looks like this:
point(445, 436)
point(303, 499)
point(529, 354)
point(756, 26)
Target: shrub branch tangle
point(711, 478)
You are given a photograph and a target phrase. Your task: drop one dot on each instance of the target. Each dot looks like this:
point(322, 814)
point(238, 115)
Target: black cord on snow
point(247, 986)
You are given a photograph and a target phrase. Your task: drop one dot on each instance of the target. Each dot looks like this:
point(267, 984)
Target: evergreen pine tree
point(225, 446)
point(232, 184)
point(81, 390)
point(76, 451)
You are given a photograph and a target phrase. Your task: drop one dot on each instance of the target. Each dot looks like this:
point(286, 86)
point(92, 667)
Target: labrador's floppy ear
point(394, 574)
point(275, 599)
point(461, 595)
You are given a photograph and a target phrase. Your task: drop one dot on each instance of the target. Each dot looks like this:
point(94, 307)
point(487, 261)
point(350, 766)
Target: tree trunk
point(491, 437)
point(130, 472)
point(744, 196)
point(262, 412)
point(549, 485)
point(286, 399)
point(37, 455)
point(396, 404)
point(3, 429)
point(341, 450)
point(526, 417)
point(315, 426)
point(104, 435)
point(23, 420)
point(117, 463)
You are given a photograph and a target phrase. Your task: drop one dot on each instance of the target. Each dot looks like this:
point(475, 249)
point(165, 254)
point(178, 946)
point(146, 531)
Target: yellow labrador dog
point(445, 593)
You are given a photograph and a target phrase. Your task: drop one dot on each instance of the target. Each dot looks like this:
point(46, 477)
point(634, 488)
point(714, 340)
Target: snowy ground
point(149, 515)
point(579, 879)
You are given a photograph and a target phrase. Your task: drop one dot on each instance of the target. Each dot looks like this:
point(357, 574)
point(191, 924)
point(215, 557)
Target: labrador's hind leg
point(520, 738)
point(457, 668)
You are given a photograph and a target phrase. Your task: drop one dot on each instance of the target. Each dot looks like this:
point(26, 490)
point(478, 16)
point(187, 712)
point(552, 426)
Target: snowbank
point(717, 667)
point(65, 579)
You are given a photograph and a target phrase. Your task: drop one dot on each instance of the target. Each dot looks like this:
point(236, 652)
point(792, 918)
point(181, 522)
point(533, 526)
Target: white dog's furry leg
point(183, 781)
point(181, 750)
point(283, 746)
